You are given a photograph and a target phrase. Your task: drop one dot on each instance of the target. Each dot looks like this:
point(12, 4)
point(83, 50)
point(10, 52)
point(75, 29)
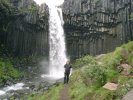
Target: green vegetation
point(7, 72)
point(7, 13)
point(13, 68)
point(33, 8)
point(52, 94)
point(84, 61)
point(91, 74)
point(87, 82)
point(131, 16)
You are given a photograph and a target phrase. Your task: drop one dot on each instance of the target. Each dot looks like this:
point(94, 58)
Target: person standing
point(68, 72)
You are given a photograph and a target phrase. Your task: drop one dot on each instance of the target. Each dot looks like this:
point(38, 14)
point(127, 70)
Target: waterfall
point(57, 53)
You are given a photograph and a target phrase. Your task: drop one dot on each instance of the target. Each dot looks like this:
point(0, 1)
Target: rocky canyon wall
point(91, 26)
point(24, 27)
point(97, 26)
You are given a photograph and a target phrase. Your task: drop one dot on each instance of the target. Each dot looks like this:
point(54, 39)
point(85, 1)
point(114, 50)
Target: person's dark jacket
point(67, 68)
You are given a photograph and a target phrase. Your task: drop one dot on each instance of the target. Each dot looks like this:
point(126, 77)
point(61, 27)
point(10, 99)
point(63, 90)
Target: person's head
point(68, 62)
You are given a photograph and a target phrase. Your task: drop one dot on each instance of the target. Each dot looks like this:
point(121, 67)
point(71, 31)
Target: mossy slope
point(91, 73)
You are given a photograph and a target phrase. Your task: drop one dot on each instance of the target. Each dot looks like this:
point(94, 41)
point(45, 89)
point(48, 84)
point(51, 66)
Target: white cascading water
point(57, 44)
point(18, 86)
point(57, 53)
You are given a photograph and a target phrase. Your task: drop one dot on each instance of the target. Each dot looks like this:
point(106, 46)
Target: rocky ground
point(32, 83)
point(128, 96)
point(39, 85)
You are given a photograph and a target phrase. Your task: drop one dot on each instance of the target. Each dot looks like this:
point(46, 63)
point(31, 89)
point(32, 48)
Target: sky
point(39, 1)
point(55, 2)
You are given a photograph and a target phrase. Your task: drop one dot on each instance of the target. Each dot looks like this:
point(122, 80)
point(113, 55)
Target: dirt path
point(64, 95)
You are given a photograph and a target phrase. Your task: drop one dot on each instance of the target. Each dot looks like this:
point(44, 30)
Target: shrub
point(7, 72)
point(84, 61)
point(112, 75)
point(97, 74)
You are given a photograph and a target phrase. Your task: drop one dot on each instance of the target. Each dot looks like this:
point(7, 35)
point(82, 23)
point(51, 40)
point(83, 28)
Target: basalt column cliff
point(91, 26)
point(24, 27)
point(97, 26)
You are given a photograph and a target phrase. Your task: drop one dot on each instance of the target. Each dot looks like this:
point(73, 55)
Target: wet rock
point(16, 95)
point(4, 96)
point(8, 83)
point(46, 88)
point(36, 87)
point(32, 87)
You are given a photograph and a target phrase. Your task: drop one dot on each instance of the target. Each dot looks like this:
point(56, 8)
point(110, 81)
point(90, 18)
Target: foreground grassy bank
point(92, 73)
point(87, 82)
point(52, 94)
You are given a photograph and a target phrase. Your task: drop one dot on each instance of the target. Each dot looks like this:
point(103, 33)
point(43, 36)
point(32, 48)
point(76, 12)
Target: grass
point(52, 94)
point(12, 68)
point(84, 61)
point(86, 82)
point(7, 72)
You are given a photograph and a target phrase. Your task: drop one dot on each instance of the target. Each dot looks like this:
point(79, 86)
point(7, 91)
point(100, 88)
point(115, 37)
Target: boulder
point(111, 86)
point(126, 69)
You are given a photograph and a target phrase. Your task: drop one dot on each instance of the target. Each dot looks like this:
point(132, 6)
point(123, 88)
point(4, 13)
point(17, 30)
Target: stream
point(39, 84)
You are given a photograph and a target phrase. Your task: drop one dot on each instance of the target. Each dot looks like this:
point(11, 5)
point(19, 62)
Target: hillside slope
point(87, 82)
point(92, 73)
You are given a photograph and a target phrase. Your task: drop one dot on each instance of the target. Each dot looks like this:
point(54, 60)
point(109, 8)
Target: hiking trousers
point(66, 78)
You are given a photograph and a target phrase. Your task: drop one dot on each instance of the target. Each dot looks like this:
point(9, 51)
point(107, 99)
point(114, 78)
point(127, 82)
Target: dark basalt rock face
point(91, 26)
point(24, 30)
point(97, 26)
